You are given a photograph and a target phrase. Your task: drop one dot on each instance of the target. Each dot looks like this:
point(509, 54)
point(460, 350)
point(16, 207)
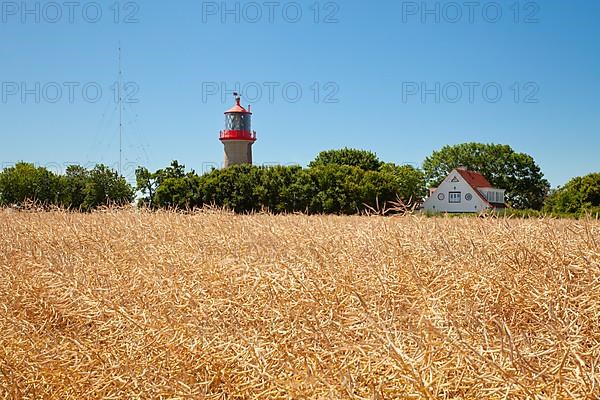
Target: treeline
point(323, 187)
point(343, 181)
point(336, 182)
point(77, 189)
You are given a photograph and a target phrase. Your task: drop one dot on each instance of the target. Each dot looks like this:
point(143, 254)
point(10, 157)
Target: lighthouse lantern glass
point(238, 122)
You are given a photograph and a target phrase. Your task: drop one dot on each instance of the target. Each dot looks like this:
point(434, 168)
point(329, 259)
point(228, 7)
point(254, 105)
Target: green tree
point(518, 173)
point(175, 170)
point(343, 189)
point(105, 187)
point(300, 194)
point(275, 189)
point(180, 193)
point(238, 188)
point(72, 187)
point(338, 189)
point(363, 159)
point(26, 182)
point(579, 195)
point(409, 181)
point(148, 183)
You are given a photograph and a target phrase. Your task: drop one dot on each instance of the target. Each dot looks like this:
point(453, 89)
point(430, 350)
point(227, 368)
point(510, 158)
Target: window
point(237, 122)
point(454, 197)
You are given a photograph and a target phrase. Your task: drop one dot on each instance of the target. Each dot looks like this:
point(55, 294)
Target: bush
point(578, 196)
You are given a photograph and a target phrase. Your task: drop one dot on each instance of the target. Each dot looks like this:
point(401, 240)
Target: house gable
point(456, 195)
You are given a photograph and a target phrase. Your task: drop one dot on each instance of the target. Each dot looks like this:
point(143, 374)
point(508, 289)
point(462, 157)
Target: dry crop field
point(126, 304)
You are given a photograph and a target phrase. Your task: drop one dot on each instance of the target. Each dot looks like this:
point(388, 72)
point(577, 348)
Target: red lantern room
point(238, 136)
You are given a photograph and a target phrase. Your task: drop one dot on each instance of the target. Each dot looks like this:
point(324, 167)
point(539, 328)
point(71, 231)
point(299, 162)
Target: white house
point(464, 191)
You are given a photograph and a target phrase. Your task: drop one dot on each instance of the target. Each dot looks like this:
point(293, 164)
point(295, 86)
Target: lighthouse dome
point(237, 109)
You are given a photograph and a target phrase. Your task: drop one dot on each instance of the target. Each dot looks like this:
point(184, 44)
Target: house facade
point(464, 191)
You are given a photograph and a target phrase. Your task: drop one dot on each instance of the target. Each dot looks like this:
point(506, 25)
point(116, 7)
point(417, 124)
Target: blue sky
point(399, 78)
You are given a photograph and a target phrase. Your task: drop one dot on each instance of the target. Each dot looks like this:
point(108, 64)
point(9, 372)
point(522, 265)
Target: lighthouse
point(238, 136)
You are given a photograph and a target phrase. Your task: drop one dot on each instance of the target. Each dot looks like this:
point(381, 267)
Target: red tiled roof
point(475, 179)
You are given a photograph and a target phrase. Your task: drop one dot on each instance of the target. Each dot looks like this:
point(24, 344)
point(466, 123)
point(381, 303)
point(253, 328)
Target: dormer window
point(493, 196)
